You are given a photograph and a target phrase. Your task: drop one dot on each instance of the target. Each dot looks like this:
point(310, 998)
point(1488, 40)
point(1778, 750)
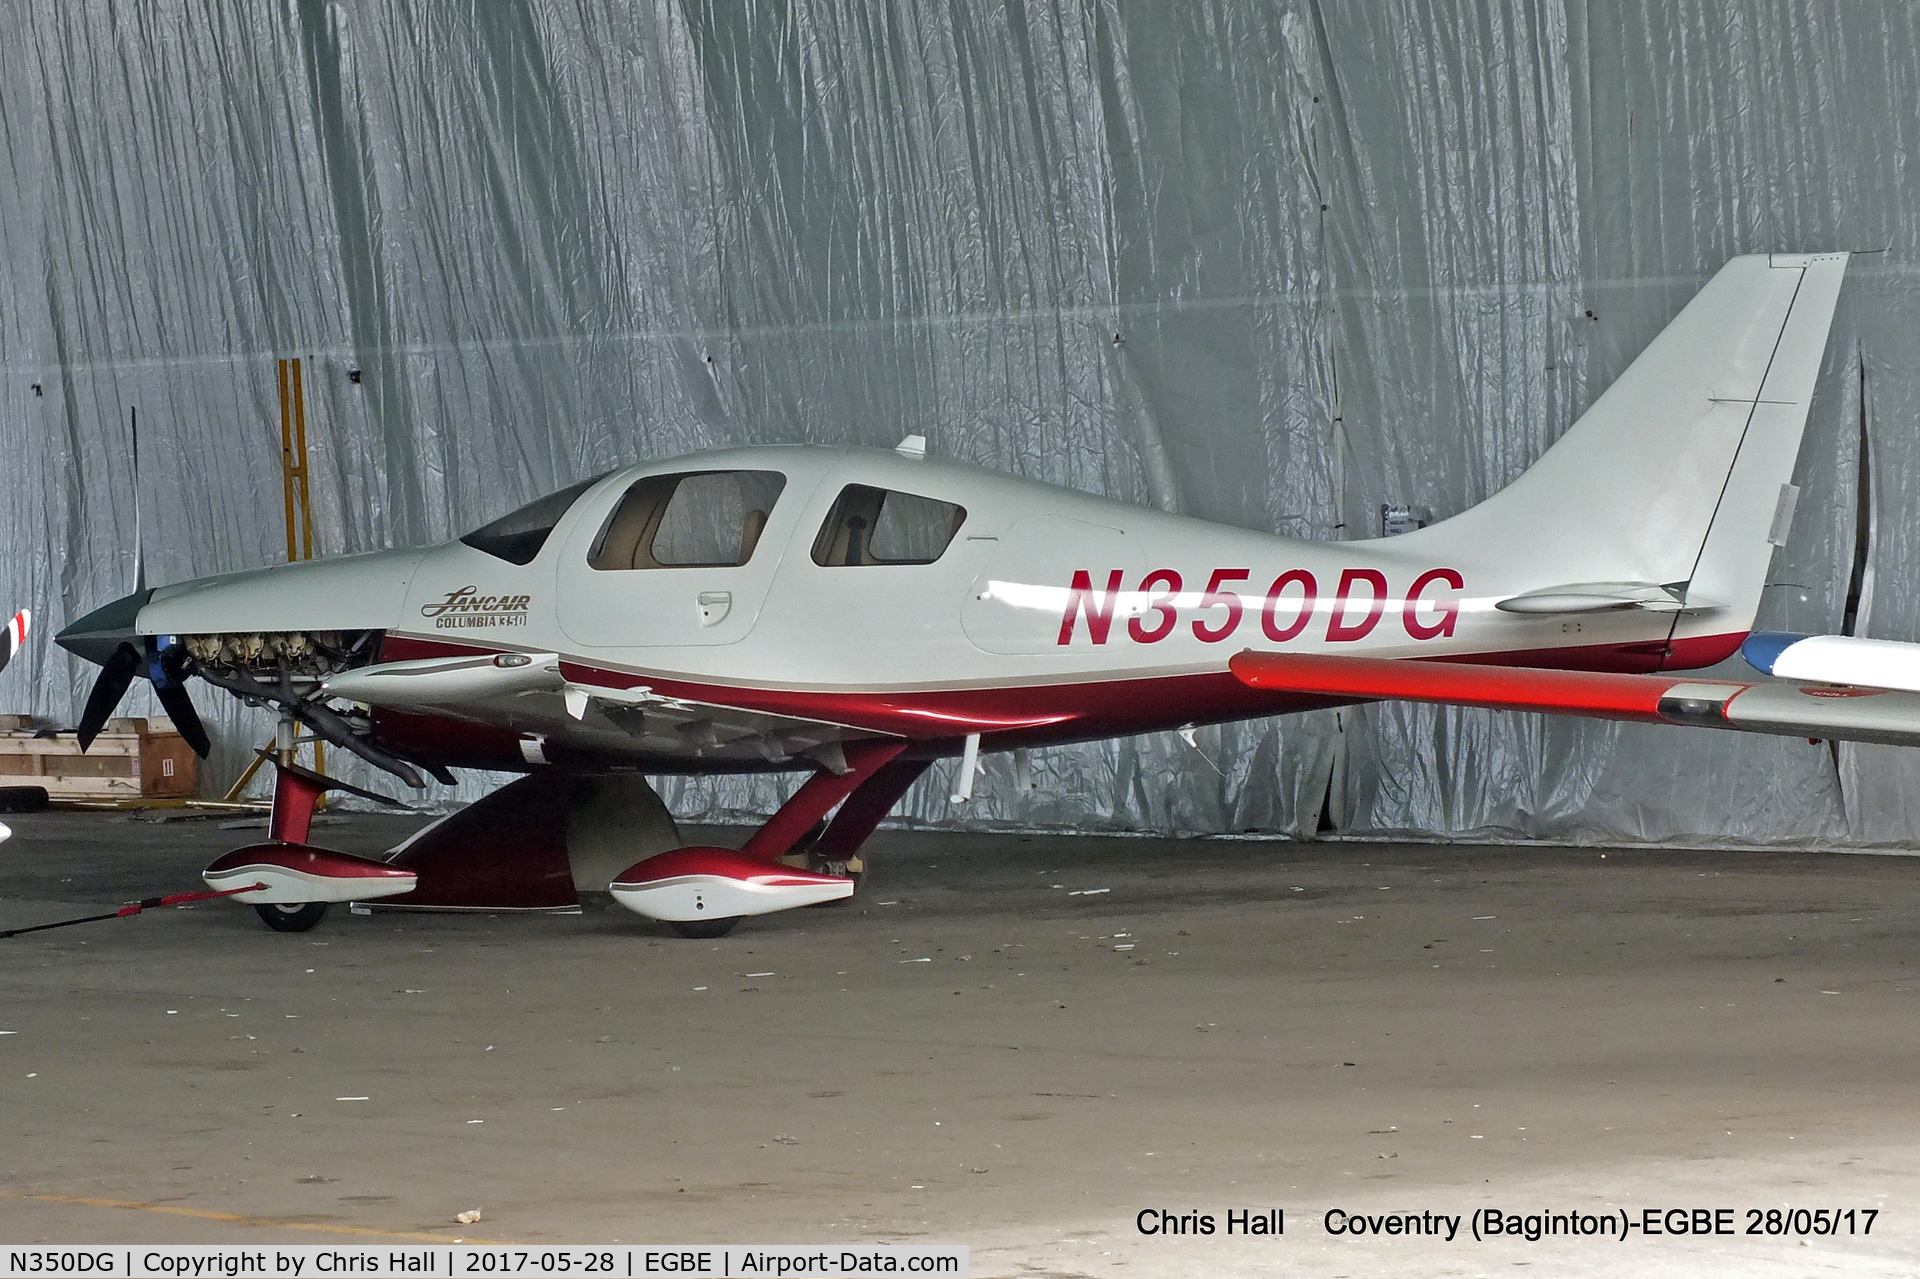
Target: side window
point(880, 526)
point(707, 519)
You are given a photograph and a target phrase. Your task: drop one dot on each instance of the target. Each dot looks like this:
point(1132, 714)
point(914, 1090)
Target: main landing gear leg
point(817, 796)
point(836, 852)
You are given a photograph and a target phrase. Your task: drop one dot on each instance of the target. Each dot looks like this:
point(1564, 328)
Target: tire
point(702, 929)
point(294, 917)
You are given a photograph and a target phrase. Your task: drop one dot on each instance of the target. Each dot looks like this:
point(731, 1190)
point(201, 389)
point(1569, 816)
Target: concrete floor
point(1016, 1043)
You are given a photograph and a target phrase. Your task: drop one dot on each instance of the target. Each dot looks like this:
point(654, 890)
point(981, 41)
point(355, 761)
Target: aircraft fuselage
point(1043, 615)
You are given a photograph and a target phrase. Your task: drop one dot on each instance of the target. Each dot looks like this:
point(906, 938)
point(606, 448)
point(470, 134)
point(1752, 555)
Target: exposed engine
point(306, 656)
point(285, 670)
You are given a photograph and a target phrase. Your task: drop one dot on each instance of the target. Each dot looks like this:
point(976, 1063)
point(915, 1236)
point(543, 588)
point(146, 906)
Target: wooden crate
point(131, 759)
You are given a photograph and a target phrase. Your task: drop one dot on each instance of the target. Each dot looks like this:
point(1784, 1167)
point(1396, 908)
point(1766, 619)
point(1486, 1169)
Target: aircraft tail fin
point(1676, 480)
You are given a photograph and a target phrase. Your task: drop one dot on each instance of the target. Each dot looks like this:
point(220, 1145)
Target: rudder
point(1755, 504)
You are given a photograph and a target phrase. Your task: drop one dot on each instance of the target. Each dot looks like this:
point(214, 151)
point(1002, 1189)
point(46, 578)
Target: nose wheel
point(293, 917)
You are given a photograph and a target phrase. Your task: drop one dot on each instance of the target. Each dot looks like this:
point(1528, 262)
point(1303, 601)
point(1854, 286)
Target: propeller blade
point(185, 718)
point(16, 635)
point(115, 675)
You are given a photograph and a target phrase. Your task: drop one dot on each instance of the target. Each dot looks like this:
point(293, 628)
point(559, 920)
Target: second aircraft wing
point(1836, 712)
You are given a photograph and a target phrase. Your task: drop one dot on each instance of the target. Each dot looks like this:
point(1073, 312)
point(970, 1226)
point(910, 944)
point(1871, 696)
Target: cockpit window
point(517, 536)
point(706, 519)
point(880, 526)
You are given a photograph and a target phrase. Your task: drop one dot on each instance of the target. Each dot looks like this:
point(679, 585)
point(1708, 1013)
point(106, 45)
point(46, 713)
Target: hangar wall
point(1273, 263)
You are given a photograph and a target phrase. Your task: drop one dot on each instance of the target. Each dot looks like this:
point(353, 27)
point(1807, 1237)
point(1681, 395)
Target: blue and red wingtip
point(1763, 648)
point(17, 630)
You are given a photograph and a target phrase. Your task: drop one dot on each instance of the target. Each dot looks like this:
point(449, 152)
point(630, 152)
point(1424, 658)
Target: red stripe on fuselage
point(1005, 717)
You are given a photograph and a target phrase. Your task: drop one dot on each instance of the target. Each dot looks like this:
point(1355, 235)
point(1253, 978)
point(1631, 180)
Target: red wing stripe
point(1602, 694)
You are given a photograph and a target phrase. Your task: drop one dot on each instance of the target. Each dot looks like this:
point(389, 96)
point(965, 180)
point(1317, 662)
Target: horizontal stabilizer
point(1792, 710)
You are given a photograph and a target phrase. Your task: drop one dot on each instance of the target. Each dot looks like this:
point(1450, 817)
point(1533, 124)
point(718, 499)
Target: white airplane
point(856, 614)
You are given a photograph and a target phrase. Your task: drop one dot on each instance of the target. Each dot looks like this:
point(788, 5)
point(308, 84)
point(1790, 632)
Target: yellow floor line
point(238, 1219)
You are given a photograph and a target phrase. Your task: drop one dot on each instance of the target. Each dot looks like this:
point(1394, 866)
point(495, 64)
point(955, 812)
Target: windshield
point(518, 535)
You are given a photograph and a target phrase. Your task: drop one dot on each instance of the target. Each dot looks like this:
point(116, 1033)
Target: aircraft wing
point(1836, 659)
point(1835, 712)
point(531, 692)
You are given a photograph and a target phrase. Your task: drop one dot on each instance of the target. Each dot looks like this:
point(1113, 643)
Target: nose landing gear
point(291, 882)
point(292, 917)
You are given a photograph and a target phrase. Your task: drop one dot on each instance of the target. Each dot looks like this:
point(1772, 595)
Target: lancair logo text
point(466, 609)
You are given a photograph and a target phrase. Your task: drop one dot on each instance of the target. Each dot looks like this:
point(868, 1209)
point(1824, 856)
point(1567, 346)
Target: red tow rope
point(134, 908)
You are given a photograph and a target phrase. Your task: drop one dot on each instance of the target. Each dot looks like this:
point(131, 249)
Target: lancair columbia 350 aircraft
point(856, 614)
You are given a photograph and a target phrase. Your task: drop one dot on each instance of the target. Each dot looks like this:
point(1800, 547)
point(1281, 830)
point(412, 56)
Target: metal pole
point(300, 466)
point(286, 456)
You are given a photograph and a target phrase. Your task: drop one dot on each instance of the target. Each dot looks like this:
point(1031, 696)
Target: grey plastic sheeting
point(1273, 265)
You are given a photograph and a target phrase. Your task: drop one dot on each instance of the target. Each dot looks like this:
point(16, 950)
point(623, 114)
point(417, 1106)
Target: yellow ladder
point(293, 484)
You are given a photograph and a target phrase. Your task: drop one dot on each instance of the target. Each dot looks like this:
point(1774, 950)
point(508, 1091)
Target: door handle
point(714, 606)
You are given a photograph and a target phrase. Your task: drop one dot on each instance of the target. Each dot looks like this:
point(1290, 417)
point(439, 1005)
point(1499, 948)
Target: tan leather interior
point(623, 535)
point(750, 530)
point(629, 536)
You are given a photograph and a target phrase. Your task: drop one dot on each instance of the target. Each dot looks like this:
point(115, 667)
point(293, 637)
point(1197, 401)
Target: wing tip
point(1762, 649)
